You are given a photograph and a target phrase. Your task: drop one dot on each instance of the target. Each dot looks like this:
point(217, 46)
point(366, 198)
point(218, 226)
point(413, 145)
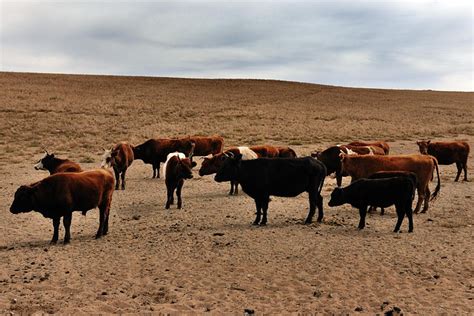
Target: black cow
point(398, 191)
point(260, 178)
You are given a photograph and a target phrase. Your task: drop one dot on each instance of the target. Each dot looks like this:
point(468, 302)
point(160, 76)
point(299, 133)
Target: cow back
point(449, 152)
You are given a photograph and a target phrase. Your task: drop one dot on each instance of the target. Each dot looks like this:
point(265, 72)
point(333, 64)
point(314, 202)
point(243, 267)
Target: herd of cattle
point(377, 178)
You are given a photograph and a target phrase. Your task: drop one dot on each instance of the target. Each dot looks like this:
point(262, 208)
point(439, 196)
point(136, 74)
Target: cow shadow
point(46, 243)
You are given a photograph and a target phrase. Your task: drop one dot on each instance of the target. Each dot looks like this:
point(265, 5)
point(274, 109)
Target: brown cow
point(63, 193)
point(358, 166)
point(212, 164)
point(119, 157)
point(380, 144)
point(447, 153)
point(363, 150)
point(56, 165)
point(177, 168)
point(286, 152)
point(204, 146)
point(155, 151)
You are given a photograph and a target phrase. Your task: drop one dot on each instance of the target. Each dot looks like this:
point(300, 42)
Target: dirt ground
point(208, 257)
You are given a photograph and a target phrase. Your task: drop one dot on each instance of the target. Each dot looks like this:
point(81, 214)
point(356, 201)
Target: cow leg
point(231, 192)
point(105, 229)
point(362, 213)
point(338, 179)
point(67, 219)
point(420, 199)
point(56, 222)
point(123, 179)
point(427, 200)
point(117, 178)
point(465, 170)
point(400, 215)
point(258, 205)
point(459, 166)
point(409, 213)
point(178, 193)
point(265, 202)
point(169, 196)
point(158, 170)
point(100, 231)
point(382, 211)
point(236, 187)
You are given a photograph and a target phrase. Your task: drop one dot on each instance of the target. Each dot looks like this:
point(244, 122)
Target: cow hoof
point(263, 224)
point(306, 222)
point(67, 242)
point(255, 223)
point(53, 242)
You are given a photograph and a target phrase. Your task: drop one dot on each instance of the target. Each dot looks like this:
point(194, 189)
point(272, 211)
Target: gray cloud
point(394, 44)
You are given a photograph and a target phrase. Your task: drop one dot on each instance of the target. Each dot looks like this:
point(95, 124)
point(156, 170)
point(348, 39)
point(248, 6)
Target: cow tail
point(438, 187)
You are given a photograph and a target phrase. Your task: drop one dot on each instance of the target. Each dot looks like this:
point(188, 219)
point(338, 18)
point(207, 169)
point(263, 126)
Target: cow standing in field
point(177, 168)
point(63, 193)
point(204, 146)
point(358, 166)
point(55, 165)
point(155, 151)
point(288, 177)
point(393, 174)
point(211, 165)
point(384, 192)
point(447, 153)
point(119, 157)
point(332, 160)
point(380, 144)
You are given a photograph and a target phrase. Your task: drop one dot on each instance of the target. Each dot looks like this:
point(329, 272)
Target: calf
point(212, 164)
point(423, 166)
point(380, 144)
point(177, 168)
point(155, 151)
point(447, 153)
point(63, 193)
point(385, 192)
point(288, 177)
point(55, 165)
point(391, 174)
point(119, 157)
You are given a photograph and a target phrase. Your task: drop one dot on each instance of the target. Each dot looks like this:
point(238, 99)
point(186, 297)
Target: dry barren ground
point(207, 257)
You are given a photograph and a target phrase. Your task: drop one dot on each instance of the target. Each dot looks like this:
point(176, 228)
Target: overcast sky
point(387, 44)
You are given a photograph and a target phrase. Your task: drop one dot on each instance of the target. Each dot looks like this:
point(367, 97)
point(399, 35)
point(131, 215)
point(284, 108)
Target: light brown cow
point(380, 144)
point(63, 193)
point(447, 153)
point(423, 166)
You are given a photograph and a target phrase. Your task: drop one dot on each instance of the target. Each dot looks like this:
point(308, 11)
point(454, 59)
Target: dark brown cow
point(119, 157)
point(177, 168)
point(380, 144)
point(363, 166)
point(332, 160)
point(212, 164)
point(63, 193)
point(204, 146)
point(56, 165)
point(447, 153)
point(155, 151)
point(286, 152)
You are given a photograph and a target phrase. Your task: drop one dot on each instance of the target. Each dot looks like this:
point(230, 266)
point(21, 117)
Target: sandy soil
point(207, 256)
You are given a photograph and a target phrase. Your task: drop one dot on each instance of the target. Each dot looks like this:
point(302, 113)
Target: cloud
point(397, 44)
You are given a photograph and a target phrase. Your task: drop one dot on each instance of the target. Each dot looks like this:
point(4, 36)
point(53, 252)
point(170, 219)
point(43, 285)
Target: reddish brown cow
point(63, 193)
point(177, 168)
point(204, 146)
point(358, 166)
point(211, 165)
point(155, 151)
point(380, 144)
point(447, 153)
point(119, 157)
point(286, 152)
point(56, 165)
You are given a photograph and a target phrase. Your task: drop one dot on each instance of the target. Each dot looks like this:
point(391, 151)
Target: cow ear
point(418, 143)
point(193, 164)
point(238, 157)
point(52, 155)
point(428, 142)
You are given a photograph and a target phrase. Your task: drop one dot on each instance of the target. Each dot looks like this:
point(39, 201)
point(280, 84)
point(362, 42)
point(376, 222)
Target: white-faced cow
point(177, 168)
point(119, 157)
point(288, 177)
point(380, 144)
point(55, 165)
point(447, 153)
point(63, 193)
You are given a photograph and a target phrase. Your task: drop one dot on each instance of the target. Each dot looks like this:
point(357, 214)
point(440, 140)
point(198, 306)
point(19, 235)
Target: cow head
point(23, 201)
point(229, 168)
point(316, 154)
point(44, 162)
point(423, 146)
point(210, 165)
point(337, 197)
point(184, 168)
point(108, 158)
